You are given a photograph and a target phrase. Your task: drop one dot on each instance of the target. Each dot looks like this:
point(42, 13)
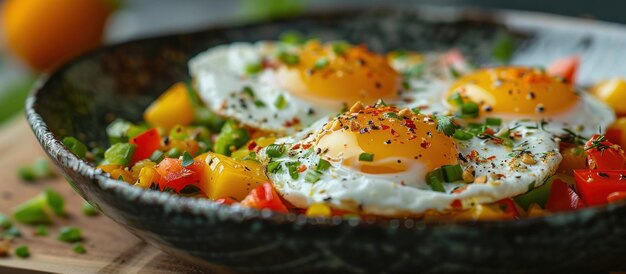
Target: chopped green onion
point(116, 131)
point(75, 146)
point(312, 176)
point(157, 156)
point(415, 71)
point(292, 37)
point(379, 103)
point(230, 138)
point(119, 154)
point(274, 167)
point(89, 210)
point(248, 90)
point(136, 130)
point(366, 157)
point(207, 118)
point(22, 251)
point(469, 110)
point(187, 159)
point(250, 157)
point(320, 63)
point(41, 230)
point(415, 110)
point(79, 248)
point(462, 135)
point(292, 168)
point(26, 173)
point(70, 234)
point(280, 102)
point(5, 222)
point(173, 153)
point(391, 115)
point(55, 202)
point(275, 150)
point(405, 85)
point(341, 47)
point(435, 184)
point(455, 99)
point(322, 165)
point(455, 74)
point(490, 121)
point(452, 173)
point(503, 48)
point(259, 103)
point(289, 58)
point(476, 128)
point(254, 68)
point(178, 132)
point(445, 125)
point(33, 211)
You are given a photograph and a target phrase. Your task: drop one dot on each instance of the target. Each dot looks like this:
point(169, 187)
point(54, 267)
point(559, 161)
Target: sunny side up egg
point(525, 93)
point(279, 87)
point(377, 160)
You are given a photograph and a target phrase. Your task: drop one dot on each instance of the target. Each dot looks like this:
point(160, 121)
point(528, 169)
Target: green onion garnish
point(455, 99)
point(259, 103)
point(415, 71)
point(435, 184)
point(366, 157)
point(26, 173)
point(70, 234)
point(288, 58)
point(75, 146)
point(341, 47)
point(79, 248)
point(292, 167)
point(312, 176)
point(469, 110)
point(273, 167)
point(452, 173)
point(254, 68)
point(462, 135)
point(391, 115)
point(455, 73)
point(292, 37)
point(173, 153)
point(22, 251)
point(275, 150)
point(490, 121)
point(248, 90)
point(280, 102)
point(322, 165)
point(187, 159)
point(416, 110)
point(157, 156)
point(119, 154)
point(41, 230)
point(320, 63)
point(503, 48)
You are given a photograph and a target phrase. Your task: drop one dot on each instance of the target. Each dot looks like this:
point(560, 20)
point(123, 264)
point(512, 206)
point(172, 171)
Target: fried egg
point(376, 159)
point(525, 93)
point(279, 87)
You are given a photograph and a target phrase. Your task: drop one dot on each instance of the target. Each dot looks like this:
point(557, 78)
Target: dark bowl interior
point(121, 80)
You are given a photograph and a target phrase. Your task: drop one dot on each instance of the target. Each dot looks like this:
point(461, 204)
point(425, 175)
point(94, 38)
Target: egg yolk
point(395, 139)
point(332, 76)
point(526, 91)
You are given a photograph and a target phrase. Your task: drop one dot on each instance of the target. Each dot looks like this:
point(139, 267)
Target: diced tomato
point(509, 207)
point(563, 198)
point(594, 186)
point(613, 135)
point(616, 197)
point(565, 67)
point(226, 200)
point(602, 154)
point(176, 177)
point(146, 143)
point(264, 196)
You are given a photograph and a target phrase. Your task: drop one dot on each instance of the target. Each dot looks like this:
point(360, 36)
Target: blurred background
point(38, 35)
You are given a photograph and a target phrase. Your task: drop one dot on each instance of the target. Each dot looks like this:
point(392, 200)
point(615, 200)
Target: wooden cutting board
point(110, 248)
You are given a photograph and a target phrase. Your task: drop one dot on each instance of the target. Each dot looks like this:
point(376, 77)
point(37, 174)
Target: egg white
point(407, 192)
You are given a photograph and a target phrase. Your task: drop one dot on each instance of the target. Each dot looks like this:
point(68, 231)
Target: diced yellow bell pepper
point(109, 167)
point(535, 210)
point(147, 176)
point(318, 210)
point(482, 212)
point(125, 175)
point(171, 108)
point(136, 169)
point(613, 93)
point(226, 177)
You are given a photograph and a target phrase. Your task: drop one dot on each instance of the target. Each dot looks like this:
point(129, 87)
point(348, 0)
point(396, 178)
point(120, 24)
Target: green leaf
point(187, 159)
point(70, 234)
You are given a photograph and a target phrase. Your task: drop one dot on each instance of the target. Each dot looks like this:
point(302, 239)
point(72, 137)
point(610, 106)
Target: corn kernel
point(318, 210)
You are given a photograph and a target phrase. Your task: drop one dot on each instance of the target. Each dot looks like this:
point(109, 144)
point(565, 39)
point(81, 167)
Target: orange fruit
point(47, 33)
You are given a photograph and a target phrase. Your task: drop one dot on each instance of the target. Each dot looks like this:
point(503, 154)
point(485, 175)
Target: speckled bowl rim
point(203, 207)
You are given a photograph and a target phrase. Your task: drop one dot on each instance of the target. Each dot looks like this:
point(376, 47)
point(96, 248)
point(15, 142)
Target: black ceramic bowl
point(121, 80)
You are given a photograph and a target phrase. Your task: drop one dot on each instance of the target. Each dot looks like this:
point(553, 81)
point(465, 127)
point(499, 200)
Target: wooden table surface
point(110, 248)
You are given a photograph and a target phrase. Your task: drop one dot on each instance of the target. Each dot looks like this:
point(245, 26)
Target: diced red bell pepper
point(594, 186)
point(176, 177)
point(602, 154)
point(146, 143)
point(563, 198)
point(616, 197)
point(264, 196)
point(565, 67)
point(613, 135)
point(509, 207)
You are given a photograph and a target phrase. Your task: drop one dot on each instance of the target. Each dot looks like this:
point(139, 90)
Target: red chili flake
point(412, 137)
point(425, 144)
point(296, 146)
point(456, 204)
point(252, 145)
point(497, 141)
point(491, 157)
point(301, 168)
point(394, 133)
point(306, 146)
point(489, 131)
point(409, 123)
point(384, 127)
point(473, 154)
point(294, 121)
